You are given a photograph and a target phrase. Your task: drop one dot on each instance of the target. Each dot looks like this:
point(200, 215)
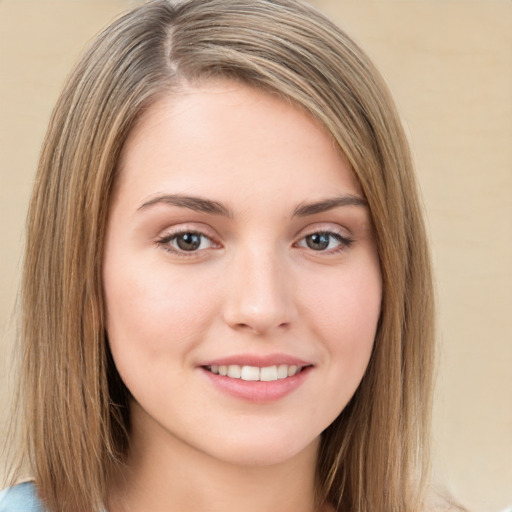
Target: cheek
point(348, 304)
point(345, 314)
point(155, 313)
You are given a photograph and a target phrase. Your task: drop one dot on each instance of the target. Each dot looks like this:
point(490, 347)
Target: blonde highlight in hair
point(374, 456)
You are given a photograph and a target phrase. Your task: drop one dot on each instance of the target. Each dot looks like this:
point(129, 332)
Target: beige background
point(449, 64)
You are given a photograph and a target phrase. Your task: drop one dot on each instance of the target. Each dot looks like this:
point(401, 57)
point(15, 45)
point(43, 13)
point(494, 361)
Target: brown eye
point(188, 241)
point(325, 241)
point(318, 241)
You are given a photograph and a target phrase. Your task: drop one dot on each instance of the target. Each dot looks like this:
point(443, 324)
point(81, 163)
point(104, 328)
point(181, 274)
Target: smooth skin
point(237, 229)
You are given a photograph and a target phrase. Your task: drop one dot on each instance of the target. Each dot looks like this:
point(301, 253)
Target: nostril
point(260, 327)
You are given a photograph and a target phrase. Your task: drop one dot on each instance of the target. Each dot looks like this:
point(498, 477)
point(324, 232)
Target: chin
point(264, 450)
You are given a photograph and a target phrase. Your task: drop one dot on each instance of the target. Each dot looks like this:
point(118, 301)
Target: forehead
point(227, 138)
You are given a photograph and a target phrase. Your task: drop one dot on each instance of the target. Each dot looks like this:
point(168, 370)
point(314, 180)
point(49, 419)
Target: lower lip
point(258, 391)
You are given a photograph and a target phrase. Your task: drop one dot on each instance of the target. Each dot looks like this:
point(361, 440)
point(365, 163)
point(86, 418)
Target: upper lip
point(261, 361)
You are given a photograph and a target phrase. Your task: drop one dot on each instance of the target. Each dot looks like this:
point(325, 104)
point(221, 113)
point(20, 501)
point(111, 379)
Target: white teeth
point(234, 371)
point(292, 370)
point(268, 373)
point(250, 373)
point(282, 371)
point(254, 373)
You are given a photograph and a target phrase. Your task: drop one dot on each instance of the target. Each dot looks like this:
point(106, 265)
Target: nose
point(259, 296)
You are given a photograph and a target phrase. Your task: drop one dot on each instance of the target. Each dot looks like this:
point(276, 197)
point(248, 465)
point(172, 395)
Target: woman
point(230, 303)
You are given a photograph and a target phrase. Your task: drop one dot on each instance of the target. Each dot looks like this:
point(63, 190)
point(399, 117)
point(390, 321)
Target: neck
point(163, 474)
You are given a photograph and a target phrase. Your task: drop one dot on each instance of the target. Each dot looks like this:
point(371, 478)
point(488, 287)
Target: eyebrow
point(305, 209)
point(202, 205)
point(197, 204)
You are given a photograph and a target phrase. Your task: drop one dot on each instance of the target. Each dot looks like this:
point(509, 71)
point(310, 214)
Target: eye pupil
point(188, 241)
point(318, 241)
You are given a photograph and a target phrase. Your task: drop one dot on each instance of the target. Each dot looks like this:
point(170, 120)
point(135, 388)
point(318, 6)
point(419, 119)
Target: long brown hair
point(375, 455)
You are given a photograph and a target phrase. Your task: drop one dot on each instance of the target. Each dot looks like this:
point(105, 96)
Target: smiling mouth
point(256, 373)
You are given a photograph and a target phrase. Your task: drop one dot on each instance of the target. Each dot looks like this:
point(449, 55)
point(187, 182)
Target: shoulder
point(20, 498)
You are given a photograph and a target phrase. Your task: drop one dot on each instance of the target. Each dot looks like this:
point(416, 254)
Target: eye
point(325, 241)
point(186, 241)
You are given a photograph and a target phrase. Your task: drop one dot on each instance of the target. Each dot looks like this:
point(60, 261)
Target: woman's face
point(238, 243)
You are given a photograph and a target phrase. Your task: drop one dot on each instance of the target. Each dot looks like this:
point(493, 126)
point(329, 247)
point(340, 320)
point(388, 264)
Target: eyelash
point(344, 241)
point(165, 241)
